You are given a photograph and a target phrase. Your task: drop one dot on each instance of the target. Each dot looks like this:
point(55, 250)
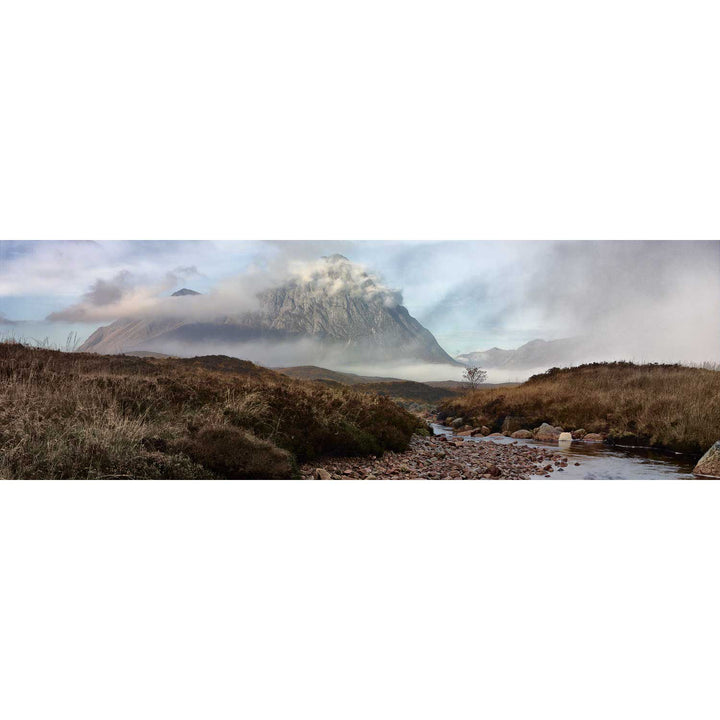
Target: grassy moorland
point(666, 406)
point(413, 396)
point(77, 415)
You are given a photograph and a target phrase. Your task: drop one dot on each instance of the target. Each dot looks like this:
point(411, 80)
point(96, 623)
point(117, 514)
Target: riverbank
point(668, 407)
point(442, 457)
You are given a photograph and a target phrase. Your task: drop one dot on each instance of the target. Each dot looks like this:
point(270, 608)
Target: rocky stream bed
point(443, 457)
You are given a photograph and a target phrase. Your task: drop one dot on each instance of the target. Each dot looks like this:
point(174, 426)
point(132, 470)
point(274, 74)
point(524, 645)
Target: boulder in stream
point(709, 463)
point(547, 433)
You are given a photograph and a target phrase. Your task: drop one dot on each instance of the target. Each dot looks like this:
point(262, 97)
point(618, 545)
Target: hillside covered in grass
point(79, 415)
point(665, 406)
point(412, 395)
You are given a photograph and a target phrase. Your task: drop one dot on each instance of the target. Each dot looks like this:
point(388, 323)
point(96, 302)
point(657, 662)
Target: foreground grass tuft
point(77, 415)
point(665, 406)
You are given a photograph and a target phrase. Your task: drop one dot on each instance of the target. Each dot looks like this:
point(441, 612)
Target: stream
point(603, 462)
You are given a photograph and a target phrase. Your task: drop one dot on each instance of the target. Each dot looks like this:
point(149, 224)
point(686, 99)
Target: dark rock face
point(513, 423)
point(709, 463)
point(337, 306)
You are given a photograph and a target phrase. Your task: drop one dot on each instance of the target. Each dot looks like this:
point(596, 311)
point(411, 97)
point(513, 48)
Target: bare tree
point(473, 377)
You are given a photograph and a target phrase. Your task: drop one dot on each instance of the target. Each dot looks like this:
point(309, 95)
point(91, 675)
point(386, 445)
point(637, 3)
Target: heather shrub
point(66, 415)
point(231, 453)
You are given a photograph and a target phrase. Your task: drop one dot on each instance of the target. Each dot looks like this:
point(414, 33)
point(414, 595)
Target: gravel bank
point(444, 458)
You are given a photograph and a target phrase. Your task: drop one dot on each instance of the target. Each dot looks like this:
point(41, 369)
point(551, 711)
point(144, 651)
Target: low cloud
point(125, 296)
point(4, 320)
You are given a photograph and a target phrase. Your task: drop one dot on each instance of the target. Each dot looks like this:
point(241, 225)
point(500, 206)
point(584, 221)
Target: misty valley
point(383, 361)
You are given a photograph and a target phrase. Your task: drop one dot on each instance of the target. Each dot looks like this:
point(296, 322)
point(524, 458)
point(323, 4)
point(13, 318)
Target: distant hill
point(419, 392)
point(146, 354)
point(312, 372)
point(531, 355)
point(460, 386)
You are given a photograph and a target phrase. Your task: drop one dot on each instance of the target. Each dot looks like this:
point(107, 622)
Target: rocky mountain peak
point(331, 305)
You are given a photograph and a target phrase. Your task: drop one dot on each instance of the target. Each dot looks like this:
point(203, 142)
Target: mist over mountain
point(534, 354)
point(329, 309)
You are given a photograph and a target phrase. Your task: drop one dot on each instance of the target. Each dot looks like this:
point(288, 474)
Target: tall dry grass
point(76, 415)
point(666, 406)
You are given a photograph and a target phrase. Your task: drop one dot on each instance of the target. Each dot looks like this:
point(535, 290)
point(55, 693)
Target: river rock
point(709, 463)
point(457, 422)
point(495, 435)
point(547, 433)
point(522, 434)
point(565, 438)
point(579, 434)
point(485, 430)
point(593, 437)
point(322, 474)
point(465, 433)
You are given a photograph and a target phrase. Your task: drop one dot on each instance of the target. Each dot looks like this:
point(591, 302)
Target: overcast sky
point(470, 295)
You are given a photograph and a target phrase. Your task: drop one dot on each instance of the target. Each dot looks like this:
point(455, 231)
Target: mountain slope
point(331, 307)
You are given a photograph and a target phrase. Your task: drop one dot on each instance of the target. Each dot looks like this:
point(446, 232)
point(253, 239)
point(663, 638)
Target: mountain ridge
point(533, 354)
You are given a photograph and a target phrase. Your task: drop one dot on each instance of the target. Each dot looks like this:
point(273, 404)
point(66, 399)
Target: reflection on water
point(603, 462)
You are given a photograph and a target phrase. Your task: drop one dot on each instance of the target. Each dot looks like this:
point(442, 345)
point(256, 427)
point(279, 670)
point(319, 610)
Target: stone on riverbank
point(547, 433)
point(593, 437)
point(457, 422)
point(709, 463)
point(579, 434)
point(522, 435)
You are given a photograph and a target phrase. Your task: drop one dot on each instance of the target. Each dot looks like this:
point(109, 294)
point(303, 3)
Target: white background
point(359, 120)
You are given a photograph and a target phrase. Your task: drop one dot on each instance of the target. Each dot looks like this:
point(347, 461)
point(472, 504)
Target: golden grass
point(666, 406)
point(77, 415)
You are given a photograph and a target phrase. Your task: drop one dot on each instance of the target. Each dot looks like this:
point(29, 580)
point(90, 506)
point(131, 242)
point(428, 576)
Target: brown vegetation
point(77, 415)
point(665, 406)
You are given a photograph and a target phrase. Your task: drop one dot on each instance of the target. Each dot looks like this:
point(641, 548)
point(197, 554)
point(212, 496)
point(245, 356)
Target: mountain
point(332, 307)
point(531, 355)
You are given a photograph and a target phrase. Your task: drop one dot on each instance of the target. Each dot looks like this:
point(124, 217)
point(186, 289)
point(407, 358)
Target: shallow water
point(603, 462)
